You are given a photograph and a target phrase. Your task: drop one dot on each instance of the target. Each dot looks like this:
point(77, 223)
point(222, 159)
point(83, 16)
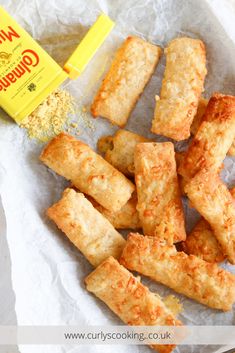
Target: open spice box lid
point(86, 49)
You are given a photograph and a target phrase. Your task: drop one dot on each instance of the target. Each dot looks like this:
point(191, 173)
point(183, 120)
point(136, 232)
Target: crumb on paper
point(84, 117)
point(173, 304)
point(157, 98)
point(74, 125)
point(50, 117)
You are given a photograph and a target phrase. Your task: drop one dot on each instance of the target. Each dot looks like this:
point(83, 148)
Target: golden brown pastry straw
point(181, 88)
point(119, 150)
point(159, 202)
point(86, 228)
point(130, 299)
point(130, 71)
point(210, 196)
point(186, 274)
point(213, 138)
point(88, 171)
point(126, 218)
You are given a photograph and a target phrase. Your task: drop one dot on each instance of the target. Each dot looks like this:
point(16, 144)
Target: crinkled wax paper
point(47, 272)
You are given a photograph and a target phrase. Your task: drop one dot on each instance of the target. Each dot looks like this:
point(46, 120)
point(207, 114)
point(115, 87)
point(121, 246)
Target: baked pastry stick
point(186, 274)
point(159, 202)
point(213, 138)
point(182, 86)
point(86, 228)
point(210, 196)
point(126, 218)
point(198, 120)
point(202, 242)
point(119, 150)
point(132, 68)
point(88, 171)
point(129, 299)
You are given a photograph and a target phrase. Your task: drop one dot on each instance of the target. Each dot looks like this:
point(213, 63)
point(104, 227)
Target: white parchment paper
point(47, 272)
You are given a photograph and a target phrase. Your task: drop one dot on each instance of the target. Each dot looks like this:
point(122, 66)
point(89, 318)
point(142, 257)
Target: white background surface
point(47, 272)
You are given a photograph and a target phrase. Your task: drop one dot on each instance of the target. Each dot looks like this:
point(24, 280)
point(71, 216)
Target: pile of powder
point(50, 117)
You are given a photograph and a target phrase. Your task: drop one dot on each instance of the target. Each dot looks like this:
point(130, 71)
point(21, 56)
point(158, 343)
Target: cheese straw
point(119, 150)
point(129, 299)
point(159, 202)
point(202, 242)
point(126, 218)
point(210, 196)
point(186, 274)
point(213, 138)
point(181, 88)
point(132, 67)
point(198, 120)
point(88, 171)
point(86, 228)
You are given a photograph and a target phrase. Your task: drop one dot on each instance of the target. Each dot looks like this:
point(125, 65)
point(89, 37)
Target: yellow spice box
point(28, 74)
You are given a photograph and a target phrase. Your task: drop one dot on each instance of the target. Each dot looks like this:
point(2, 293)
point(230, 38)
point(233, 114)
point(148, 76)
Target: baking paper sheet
point(47, 272)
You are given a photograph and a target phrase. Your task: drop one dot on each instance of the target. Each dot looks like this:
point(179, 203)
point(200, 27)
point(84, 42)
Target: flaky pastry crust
point(186, 274)
point(86, 228)
point(88, 171)
point(132, 67)
point(182, 86)
point(159, 199)
point(127, 297)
